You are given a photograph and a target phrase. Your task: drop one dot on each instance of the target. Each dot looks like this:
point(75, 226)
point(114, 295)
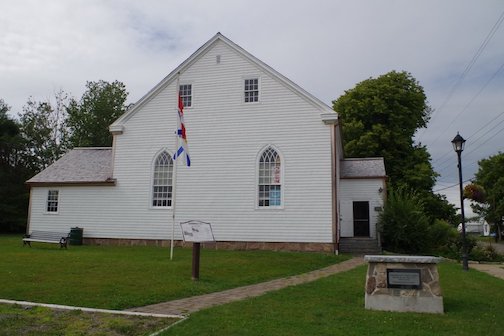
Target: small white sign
point(197, 231)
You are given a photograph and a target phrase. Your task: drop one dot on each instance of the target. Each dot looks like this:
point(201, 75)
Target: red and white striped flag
point(181, 132)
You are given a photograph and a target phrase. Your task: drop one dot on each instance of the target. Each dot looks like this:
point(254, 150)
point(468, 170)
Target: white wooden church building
point(267, 166)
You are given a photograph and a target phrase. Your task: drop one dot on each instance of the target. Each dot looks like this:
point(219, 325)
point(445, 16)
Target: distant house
point(267, 166)
point(479, 227)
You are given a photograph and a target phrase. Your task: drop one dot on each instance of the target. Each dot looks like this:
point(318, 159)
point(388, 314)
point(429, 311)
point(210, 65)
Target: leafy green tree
point(380, 117)
point(13, 173)
point(89, 119)
point(9, 137)
point(43, 130)
point(437, 207)
point(490, 176)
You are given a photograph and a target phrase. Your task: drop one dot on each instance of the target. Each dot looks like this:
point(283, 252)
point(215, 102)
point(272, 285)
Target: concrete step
point(359, 246)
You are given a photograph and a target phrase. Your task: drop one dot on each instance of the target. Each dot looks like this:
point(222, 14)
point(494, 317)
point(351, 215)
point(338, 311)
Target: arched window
point(270, 178)
point(162, 183)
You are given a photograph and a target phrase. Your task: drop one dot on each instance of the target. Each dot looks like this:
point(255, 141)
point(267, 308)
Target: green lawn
point(473, 302)
point(123, 277)
point(120, 277)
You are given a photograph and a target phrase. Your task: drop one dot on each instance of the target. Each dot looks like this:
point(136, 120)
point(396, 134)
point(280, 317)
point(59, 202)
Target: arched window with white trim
point(270, 178)
point(162, 181)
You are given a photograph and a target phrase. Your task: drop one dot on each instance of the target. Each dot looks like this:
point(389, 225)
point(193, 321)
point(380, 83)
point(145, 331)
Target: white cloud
point(325, 46)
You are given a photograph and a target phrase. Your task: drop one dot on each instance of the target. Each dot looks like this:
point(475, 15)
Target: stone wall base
point(405, 304)
point(221, 245)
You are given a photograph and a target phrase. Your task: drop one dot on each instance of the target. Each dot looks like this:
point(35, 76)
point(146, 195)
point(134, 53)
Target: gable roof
point(362, 168)
point(326, 111)
point(78, 166)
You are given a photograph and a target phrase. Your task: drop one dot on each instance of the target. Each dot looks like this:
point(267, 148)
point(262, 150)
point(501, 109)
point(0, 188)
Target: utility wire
point(488, 123)
point(490, 138)
point(451, 186)
point(443, 161)
point(474, 98)
point(467, 69)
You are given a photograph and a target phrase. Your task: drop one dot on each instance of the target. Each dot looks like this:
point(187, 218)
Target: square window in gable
point(185, 91)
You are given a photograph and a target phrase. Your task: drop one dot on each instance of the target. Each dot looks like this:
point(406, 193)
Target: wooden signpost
point(196, 232)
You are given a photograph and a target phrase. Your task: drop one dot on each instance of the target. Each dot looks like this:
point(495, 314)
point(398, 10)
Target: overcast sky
point(455, 49)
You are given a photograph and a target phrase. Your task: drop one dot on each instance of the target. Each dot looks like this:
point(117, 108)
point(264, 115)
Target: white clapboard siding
point(355, 190)
point(225, 138)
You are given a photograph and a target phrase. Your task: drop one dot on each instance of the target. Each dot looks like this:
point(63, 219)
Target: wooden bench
point(47, 237)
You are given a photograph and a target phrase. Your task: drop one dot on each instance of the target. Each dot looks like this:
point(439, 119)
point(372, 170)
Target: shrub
point(404, 224)
point(453, 248)
point(442, 234)
point(485, 253)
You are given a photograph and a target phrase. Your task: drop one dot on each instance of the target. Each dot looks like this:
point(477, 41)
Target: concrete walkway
point(195, 303)
point(497, 270)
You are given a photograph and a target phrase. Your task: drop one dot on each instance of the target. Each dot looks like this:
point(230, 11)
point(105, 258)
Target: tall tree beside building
point(89, 118)
point(42, 126)
point(379, 118)
point(13, 173)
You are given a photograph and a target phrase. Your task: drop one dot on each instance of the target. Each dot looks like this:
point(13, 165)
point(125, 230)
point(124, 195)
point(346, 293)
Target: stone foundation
point(221, 245)
point(380, 295)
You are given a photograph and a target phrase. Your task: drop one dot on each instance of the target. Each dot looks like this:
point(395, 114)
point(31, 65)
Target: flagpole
point(174, 180)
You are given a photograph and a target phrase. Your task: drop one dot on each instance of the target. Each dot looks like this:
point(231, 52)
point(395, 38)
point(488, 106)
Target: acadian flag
point(181, 132)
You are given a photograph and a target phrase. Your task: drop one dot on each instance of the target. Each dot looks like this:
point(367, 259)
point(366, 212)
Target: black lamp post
point(458, 145)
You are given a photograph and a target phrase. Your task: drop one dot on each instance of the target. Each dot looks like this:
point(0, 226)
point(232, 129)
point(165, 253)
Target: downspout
point(331, 120)
point(335, 183)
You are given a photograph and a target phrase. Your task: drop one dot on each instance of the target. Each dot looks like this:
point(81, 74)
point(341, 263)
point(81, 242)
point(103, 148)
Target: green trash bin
point(76, 234)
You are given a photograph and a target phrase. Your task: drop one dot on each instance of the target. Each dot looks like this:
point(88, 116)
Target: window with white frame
point(52, 201)
point(162, 181)
point(270, 179)
point(185, 91)
point(251, 90)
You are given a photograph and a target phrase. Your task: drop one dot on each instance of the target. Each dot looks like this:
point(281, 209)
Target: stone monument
point(403, 283)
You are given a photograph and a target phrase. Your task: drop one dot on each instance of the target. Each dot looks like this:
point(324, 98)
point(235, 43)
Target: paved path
point(195, 303)
point(497, 270)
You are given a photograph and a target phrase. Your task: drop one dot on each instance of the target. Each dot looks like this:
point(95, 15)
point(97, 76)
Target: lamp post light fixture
point(458, 145)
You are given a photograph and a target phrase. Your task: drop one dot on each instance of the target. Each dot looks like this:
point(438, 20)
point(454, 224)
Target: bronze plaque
point(404, 278)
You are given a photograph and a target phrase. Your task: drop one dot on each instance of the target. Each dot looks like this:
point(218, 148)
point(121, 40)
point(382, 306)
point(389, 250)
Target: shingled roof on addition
point(78, 166)
point(362, 168)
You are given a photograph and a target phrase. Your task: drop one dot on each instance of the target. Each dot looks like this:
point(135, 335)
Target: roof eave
point(363, 177)
point(108, 182)
point(330, 118)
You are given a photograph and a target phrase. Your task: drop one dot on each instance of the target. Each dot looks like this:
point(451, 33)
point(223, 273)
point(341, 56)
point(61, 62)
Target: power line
point(469, 137)
point(467, 69)
point(451, 186)
point(490, 138)
point(476, 95)
point(488, 123)
point(447, 165)
point(474, 98)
